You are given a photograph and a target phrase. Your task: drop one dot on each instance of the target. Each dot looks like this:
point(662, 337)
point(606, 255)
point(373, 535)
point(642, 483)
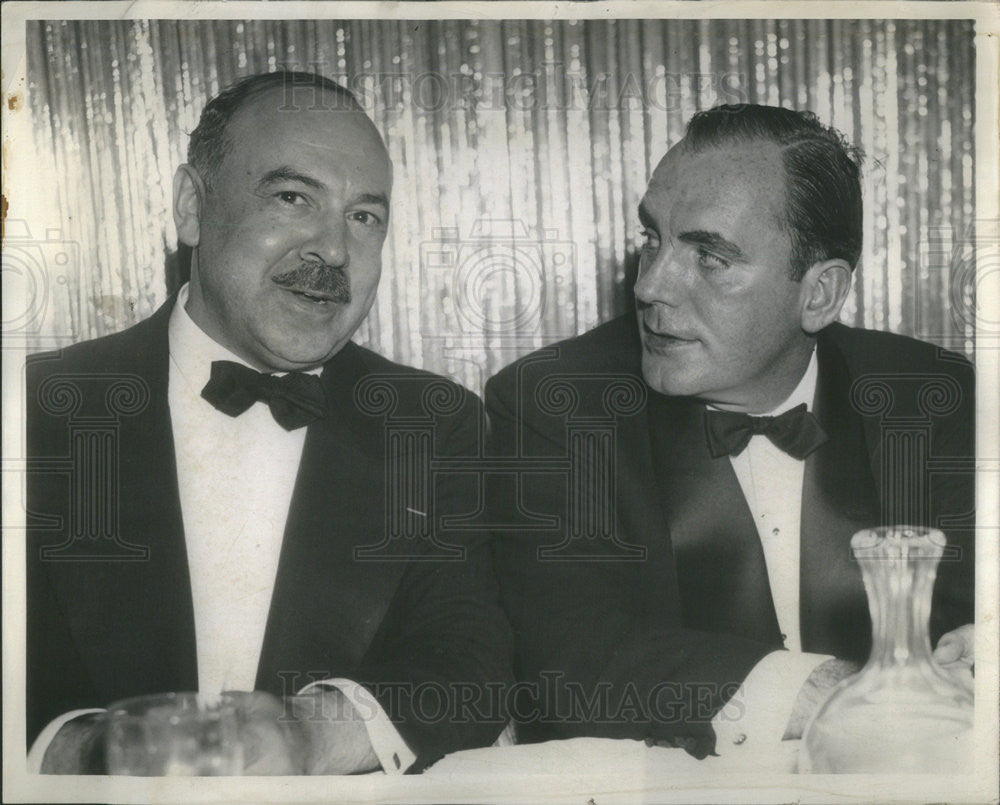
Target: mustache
point(317, 278)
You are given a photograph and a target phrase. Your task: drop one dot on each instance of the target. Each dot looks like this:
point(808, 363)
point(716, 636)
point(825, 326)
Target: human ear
point(825, 286)
point(189, 192)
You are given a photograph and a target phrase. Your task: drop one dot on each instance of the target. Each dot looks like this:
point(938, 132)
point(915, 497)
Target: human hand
point(78, 747)
point(955, 651)
point(957, 647)
point(272, 738)
point(335, 732)
point(816, 689)
point(316, 733)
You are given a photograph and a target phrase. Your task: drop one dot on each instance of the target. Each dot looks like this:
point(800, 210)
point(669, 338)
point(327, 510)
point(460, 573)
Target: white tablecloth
point(587, 757)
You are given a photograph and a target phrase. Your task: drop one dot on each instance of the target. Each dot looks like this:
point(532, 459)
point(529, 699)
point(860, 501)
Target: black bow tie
point(797, 432)
point(295, 399)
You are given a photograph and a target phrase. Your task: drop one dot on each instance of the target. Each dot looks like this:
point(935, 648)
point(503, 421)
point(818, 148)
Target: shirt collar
point(191, 348)
point(804, 392)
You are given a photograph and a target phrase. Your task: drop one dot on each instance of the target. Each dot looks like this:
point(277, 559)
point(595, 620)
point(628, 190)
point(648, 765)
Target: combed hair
point(823, 206)
point(209, 143)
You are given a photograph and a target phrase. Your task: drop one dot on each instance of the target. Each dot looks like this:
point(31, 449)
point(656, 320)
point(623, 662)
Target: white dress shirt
point(236, 476)
point(771, 481)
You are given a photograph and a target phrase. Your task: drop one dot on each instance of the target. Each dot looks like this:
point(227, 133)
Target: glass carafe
point(902, 712)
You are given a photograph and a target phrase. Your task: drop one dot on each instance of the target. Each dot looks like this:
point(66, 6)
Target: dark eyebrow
point(286, 174)
point(372, 198)
point(715, 242)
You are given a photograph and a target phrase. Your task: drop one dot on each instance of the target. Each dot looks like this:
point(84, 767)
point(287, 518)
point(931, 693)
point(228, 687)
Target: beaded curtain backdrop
point(521, 150)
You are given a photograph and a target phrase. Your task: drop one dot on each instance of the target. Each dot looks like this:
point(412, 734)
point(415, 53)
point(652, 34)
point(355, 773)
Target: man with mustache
point(246, 538)
point(716, 568)
point(323, 282)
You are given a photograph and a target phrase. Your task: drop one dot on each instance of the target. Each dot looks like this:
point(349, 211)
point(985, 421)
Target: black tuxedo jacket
point(632, 572)
point(109, 597)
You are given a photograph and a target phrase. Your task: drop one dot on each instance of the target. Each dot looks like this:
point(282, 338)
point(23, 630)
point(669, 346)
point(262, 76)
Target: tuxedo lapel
point(838, 499)
point(721, 572)
point(327, 604)
point(641, 516)
point(132, 620)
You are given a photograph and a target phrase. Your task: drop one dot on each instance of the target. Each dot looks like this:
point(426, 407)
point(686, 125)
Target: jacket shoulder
point(442, 394)
point(107, 352)
point(610, 348)
point(872, 351)
point(375, 364)
point(134, 349)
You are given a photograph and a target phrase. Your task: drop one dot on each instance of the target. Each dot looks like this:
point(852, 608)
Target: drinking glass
point(173, 734)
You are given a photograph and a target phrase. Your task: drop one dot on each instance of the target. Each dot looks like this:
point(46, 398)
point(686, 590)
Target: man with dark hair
point(241, 524)
point(724, 448)
point(823, 209)
point(209, 144)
